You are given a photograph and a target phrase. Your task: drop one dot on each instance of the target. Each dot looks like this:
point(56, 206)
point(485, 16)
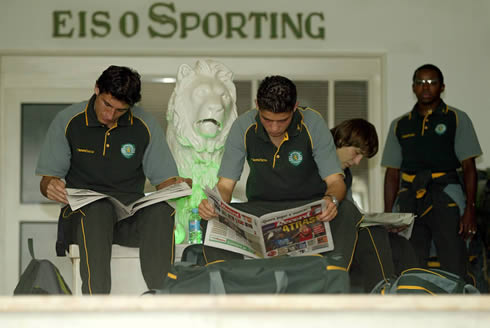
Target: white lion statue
point(200, 113)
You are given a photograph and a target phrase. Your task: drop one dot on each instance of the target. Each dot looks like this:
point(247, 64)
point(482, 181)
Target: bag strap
point(30, 245)
point(281, 281)
point(216, 285)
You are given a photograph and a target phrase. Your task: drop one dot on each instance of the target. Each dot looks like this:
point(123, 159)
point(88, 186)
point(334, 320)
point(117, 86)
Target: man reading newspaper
point(292, 162)
point(108, 145)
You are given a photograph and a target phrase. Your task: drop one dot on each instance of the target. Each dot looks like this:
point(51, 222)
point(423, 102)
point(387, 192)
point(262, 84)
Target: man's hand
point(335, 187)
point(186, 180)
point(330, 212)
point(174, 180)
point(54, 188)
point(467, 223)
point(206, 210)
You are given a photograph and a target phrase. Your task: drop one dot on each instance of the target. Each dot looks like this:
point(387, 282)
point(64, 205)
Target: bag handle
point(281, 281)
point(30, 245)
point(216, 285)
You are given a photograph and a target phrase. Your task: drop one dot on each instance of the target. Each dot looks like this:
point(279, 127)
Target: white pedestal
point(125, 270)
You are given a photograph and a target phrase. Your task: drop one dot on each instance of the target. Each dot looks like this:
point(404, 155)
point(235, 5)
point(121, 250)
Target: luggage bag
point(284, 275)
point(425, 281)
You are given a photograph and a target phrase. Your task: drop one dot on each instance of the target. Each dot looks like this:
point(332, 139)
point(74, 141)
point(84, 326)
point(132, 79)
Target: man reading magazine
point(292, 162)
point(108, 145)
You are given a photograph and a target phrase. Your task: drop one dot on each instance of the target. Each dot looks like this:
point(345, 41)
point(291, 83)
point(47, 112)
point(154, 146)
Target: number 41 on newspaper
point(292, 232)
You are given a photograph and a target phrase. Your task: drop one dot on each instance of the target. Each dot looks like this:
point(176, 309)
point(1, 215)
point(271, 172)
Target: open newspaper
point(78, 198)
point(293, 232)
point(391, 220)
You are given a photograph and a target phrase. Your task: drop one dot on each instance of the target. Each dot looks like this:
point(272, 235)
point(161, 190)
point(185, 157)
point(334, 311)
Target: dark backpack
point(424, 281)
point(41, 277)
point(283, 275)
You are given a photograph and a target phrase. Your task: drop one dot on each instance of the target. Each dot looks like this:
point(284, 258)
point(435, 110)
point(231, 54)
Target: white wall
point(453, 34)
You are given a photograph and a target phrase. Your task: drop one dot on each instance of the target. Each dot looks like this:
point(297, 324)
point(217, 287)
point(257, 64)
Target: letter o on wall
point(218, 20)
point(132, 17)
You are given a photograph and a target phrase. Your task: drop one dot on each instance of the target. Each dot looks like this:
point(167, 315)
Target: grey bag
point(41, 277)
point(424, 281)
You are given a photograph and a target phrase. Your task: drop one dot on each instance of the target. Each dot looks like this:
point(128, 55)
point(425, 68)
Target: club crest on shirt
point(128, 150)
point(295, 157)
point(440, 128)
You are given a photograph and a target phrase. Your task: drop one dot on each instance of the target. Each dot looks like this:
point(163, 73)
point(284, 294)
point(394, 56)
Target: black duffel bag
point(312, 274)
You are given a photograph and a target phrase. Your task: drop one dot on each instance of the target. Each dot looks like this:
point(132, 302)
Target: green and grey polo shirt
point(88, 155)
point(438, 141)
point(293, 171)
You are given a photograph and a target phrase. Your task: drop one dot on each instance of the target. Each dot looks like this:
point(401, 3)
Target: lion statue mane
point(200, 113)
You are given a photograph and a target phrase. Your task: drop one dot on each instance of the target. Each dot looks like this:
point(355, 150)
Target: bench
point(125, 269)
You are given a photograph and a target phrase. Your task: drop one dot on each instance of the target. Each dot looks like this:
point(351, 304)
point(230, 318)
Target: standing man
point(109, 145)
point(423, 150)
point(292, 161)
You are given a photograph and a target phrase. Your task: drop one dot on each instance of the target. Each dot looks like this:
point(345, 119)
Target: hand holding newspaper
point(293, 231)
point(78, 198)
point(391, 220)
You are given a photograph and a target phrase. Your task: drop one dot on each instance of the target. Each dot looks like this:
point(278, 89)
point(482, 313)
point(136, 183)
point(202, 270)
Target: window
point(35, 123)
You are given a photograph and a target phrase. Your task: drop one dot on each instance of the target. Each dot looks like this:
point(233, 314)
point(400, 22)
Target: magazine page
point(170, 192)
point(78, 198)
point(391, 220)
point(296, 231)
point(233, 230)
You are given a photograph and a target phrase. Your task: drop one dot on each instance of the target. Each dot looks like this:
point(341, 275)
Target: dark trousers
point(95, 228)
point(373, 259)
point(404, 256)
point(380, 255)
point(440, 225)
point(343, 229)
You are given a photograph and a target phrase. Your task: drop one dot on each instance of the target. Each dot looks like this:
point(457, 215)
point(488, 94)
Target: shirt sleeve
point(235, 153)
point(55, 154)
point(158, 162)
point(392, 153)
point(324, 151)
point(466, 143)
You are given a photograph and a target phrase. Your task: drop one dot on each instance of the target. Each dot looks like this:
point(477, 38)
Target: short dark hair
point(276, 94)
point(429, 67)
point(356, 133)
point(123, 83)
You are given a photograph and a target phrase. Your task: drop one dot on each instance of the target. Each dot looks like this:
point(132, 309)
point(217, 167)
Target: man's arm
point(392, 184)
point(53, 188)
point(225, 187)
point(467, 224)
point(335, 187)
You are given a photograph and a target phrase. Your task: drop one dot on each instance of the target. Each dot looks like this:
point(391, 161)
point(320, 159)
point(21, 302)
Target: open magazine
point(391, 220)
point(78, 198)
point(293, 231)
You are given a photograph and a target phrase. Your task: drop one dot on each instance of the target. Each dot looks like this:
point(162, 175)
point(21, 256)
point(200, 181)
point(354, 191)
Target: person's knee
point(349, 212)
point(99, 213)
point(102, 207)
point(159, 216)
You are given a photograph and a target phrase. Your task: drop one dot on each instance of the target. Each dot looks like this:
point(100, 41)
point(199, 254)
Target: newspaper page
point(290, 232)
point(78, 198)
point(391, 220)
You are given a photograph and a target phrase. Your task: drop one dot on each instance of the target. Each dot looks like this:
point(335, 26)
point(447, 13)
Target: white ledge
point(246, 303)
